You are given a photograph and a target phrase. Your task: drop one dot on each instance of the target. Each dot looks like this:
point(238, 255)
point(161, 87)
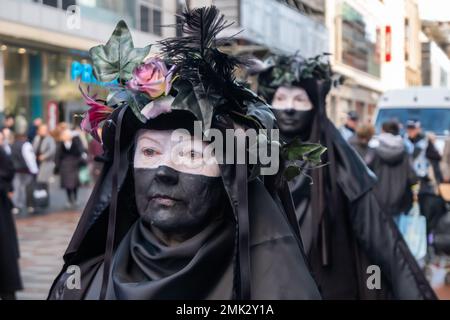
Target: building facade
point(262, 26)
point(435, 65)
point(375, 47)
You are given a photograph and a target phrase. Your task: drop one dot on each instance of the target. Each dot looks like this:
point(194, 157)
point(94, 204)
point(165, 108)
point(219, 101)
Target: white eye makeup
point(180, 151)
point(291, 98)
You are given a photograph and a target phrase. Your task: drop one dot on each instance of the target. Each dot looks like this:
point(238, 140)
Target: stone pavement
point(43, 240)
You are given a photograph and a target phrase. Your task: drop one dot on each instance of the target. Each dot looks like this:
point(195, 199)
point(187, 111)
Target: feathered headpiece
point(283, 70)
point(206, 75)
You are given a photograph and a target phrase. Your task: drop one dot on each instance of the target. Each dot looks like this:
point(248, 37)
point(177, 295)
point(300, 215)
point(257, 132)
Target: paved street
point(43, 240)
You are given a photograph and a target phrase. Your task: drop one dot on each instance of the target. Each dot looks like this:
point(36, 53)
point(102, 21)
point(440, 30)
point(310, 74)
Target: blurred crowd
point(408, 165)
point(31, 156)
point(39, 155)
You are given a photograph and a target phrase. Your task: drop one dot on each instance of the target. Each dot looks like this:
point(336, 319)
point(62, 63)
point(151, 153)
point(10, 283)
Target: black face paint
point(294, 123)
point(177, 202)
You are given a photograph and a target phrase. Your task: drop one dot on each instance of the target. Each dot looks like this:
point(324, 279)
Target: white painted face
point(291, 98)
point(175, 149)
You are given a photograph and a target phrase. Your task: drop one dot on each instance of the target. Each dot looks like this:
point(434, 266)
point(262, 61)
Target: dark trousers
point(433, 208)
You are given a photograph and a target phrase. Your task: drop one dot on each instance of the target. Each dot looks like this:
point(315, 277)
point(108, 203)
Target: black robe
point(354, 232)
point(10, 280)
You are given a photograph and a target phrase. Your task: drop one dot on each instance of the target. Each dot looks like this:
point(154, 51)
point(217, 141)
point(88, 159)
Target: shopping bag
point(413, 227)
point(84, 175)
point(39, 196)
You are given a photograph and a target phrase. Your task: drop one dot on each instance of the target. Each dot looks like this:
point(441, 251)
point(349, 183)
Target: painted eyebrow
point(150, 139)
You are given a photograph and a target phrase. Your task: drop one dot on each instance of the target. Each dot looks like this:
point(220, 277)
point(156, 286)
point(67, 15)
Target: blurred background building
point(376, 45)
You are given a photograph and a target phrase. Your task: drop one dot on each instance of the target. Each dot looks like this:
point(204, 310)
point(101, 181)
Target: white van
point(431, 106)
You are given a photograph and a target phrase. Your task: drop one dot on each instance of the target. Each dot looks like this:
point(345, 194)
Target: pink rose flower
point(152, 77)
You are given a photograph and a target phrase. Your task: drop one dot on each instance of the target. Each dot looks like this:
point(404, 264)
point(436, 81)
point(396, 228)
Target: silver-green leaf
point(118, 57)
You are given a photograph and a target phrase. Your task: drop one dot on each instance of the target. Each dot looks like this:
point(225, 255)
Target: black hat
point(295, 70)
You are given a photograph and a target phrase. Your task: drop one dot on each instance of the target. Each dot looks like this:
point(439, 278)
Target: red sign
point(52, 115)
point(388, 48)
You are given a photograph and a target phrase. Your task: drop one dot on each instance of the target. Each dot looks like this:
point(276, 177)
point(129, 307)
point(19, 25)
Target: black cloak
point(253, 252)
point(343, 227)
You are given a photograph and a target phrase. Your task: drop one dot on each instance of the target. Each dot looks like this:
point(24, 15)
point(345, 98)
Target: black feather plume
point(195, 54)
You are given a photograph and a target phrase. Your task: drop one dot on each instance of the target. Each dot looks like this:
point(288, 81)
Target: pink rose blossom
point(152, 77)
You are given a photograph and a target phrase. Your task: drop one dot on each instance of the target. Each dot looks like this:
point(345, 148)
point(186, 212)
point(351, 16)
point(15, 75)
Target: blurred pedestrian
point(32, 130)
point(445, 162)
point(349, 128)
point(26, 168)
point(21, 123)
point(9, 122)
point(360, 142)
point(426, 164)
point(10, 280)
point(45, 148)
point(69, 159)
point(7, 140)
point(393, 167)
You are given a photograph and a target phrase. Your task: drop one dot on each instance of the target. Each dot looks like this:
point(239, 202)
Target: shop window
point(68, 3)
point(52, 3)
point(180, 6)
point(360, 43)
point(145, 21)
point(150, 16)
point(61, 4)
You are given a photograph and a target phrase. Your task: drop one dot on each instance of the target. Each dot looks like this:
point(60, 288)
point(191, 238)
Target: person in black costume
point(156, 227)
point(344, 231)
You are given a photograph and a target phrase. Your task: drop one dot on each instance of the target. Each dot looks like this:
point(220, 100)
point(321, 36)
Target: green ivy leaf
point(314, 156)
point(137, 101)
point(118, 57)
point(291, 172)
point(297, 150)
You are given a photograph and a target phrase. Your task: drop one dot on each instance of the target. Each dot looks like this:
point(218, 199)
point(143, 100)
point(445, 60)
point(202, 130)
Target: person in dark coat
point(69, 158)
point(393, 167)
point(10, 280)
point(344, 229)
point(426, 163)
point(180, 229)
point(360, 142)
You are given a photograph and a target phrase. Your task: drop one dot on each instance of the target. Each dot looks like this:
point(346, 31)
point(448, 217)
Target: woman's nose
point(166, 175)
point(289, 112)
